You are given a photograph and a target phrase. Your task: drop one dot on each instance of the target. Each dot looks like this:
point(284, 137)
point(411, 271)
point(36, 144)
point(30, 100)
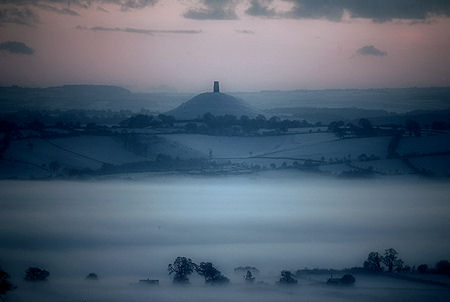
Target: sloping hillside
point(319, 151)
point(214, 103)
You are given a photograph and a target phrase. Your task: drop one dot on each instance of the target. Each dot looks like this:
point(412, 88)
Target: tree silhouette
point(412, 127)
point(443, 267)
point(366, 127)
point(92, 276)
point(249, 277)
point(5, 285)
point(36, 274)
point(348, 279)
point(287, 278)
point(182, 267)
point(422, 269)
point(390, 258)
point(373, 262)
point(211, 274)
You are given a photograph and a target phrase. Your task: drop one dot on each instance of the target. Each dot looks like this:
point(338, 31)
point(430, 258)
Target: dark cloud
point(149, 32)
point(20, 11)
point(136, 4)
point(245, 31)
point(124, 4)
point(370, 50)
point(22, 16)
point(14, 47)
point(213, 10)
point(63, 10)
point(260, 9)
point(376, 10)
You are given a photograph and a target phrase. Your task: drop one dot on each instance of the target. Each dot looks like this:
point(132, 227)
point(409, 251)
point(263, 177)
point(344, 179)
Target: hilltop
point(215, 103)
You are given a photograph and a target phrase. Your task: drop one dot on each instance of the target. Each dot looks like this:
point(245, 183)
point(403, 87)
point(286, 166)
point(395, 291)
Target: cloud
point(22, 16)
point(213, 10)
point(149, 32)
point(260, 8)
point(376, 10)
point(245, 31)
point(63, 10)
point(370, 50)
point(102, 9)
point(14, 47)
point(20, 11)
point(124, 4)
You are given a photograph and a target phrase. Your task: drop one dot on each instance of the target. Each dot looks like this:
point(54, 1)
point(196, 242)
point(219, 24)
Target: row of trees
point(364, 128)
point(183, 267)
point(388, 261)
point(441, 268)
point(249, 124)
point(32, 274)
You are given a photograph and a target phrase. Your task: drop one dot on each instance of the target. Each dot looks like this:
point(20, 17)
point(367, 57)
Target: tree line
point(182, 268)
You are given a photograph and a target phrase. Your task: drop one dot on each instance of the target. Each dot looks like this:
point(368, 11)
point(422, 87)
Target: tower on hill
point(216, 86)
point(215, 103)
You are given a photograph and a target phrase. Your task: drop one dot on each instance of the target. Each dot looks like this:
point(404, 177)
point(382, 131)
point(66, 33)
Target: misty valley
point(126, 230)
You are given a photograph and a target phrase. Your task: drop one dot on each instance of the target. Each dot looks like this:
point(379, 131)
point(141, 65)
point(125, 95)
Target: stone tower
point(216, 86)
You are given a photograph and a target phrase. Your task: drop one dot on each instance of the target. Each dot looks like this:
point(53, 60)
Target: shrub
point(36, 274)
point(92, 276)
point(287, 278)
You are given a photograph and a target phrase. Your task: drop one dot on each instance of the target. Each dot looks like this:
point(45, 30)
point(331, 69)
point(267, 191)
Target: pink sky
point(249, 53)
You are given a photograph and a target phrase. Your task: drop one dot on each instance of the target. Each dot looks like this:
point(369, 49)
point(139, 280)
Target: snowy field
point(311, 146)
point(31, 158)
point(125, 230)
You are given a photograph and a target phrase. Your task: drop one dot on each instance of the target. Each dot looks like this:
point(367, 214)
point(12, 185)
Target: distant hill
point(100, 97)
point(89, 97)
point(389, 99)
point(212, 102)
point(327, 115)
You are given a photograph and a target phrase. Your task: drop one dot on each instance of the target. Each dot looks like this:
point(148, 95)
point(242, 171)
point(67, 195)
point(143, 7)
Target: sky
point(248, 45)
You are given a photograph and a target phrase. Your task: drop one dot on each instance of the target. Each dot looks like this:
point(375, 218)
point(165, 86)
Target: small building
point(149, 282)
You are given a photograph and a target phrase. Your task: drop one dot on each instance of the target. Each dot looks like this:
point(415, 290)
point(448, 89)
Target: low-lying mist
point(126, 230)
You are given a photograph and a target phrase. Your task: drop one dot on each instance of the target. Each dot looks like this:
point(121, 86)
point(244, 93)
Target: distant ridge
point(104, 97)
point(85, 90)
